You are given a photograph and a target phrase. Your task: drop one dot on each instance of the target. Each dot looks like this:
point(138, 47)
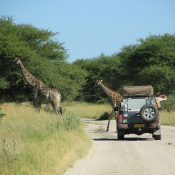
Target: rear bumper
point(134, 124)
point(132, 129)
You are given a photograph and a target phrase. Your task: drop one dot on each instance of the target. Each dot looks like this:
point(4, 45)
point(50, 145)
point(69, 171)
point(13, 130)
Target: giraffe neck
point(38, 85)
point(107, 91)
point(114, 97)
point(44, 89)
point(31, 80)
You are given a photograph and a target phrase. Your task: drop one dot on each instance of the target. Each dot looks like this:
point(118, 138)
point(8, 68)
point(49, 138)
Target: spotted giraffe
point(114, 97)
point(52, 96)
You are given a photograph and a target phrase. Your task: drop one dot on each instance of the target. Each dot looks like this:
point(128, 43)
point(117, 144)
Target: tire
point(157, 134)
point(148, 113)
point(121, 135)
point(157, 137)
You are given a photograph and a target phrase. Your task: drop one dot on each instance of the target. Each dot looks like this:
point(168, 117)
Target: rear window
point(135, 103)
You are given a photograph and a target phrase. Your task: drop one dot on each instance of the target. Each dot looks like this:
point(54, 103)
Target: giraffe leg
point(61, 110)
point(37, 100)
point(56, 111)
point(46, 107)
point(55, 102)
point(37, 105)
point(35, 92)
point(54, 107)
point(109, 119)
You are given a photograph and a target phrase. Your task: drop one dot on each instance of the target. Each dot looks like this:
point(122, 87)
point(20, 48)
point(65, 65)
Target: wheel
point(120, 135)
point(148, 113)
point(157, 134)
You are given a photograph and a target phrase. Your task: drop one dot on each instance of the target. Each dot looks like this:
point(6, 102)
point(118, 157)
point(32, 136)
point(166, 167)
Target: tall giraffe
point(114, 97)
point(52, 96)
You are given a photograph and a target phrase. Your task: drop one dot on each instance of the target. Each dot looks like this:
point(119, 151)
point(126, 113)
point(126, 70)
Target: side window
point(153, 100)
point(124, 105)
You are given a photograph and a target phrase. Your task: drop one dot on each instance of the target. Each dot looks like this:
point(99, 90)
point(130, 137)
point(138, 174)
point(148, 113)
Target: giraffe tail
point(61, 110)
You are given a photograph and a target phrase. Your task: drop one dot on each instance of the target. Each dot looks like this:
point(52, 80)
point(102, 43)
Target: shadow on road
point(126, 139)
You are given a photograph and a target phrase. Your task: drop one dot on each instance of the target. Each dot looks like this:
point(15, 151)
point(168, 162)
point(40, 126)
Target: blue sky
point(91, 27)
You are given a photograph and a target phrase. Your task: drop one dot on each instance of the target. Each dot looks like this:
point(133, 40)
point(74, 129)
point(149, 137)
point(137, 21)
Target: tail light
point(122, 121)
point(120, 117)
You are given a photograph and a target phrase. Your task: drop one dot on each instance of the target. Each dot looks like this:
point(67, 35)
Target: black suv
point(138, 112)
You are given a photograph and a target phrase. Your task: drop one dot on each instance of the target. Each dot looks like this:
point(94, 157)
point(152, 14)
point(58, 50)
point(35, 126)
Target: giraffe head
point(17, 60)
point(98, 82)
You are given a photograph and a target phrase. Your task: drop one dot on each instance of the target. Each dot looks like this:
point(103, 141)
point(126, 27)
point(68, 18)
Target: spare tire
point(148, 113)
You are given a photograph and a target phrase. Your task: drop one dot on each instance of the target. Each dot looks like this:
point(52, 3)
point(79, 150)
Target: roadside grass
point(34, 144)
point(101, 111)
point(167, 118)
point(87, 110)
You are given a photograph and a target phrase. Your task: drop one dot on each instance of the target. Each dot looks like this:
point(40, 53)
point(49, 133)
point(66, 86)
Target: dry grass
point(168, 118)
point(87, 110)
point(34, 144)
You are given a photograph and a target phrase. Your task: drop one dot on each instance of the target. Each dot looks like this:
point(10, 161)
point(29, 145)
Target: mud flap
point(157, 132)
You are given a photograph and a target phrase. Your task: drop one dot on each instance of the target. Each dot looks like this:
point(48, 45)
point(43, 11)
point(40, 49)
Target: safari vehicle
point(138, 112)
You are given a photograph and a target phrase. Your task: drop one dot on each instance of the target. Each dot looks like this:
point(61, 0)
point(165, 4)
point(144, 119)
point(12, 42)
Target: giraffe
point(52, 96)
point(114, 97)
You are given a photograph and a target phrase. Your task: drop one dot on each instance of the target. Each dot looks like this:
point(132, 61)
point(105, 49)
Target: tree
point(103, 67)
point(152, 61)
point(41, 54)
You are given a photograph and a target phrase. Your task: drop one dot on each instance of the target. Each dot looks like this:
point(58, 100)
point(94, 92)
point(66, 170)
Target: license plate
point(139, 125)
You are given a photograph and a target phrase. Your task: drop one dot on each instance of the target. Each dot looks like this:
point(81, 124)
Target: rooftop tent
point(138, 90)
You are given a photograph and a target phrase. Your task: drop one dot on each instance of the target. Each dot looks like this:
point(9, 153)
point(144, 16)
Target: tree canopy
point(41, 54)
point(150, 61)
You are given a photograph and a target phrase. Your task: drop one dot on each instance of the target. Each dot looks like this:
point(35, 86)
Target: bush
point(2, 114)
point(104, 116)
point(68, 122)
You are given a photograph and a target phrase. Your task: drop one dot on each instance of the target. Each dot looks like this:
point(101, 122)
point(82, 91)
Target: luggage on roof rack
point(138, 90)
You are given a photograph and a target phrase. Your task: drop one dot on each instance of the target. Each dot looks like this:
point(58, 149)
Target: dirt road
point(136, 155)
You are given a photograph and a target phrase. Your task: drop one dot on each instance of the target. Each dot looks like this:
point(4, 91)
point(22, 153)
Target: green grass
point(35, 144)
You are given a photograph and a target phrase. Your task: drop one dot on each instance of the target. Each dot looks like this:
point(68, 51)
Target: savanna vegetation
point(33, 143)
point(150, 61)
point(42, 55)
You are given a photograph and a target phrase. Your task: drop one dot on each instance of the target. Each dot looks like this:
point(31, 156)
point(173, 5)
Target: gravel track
point(136, 155)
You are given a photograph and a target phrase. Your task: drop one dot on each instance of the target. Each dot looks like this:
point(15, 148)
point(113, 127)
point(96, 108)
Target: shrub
point(9, 153)
point(104, 116)
point(2, 114)
point(69, 122)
